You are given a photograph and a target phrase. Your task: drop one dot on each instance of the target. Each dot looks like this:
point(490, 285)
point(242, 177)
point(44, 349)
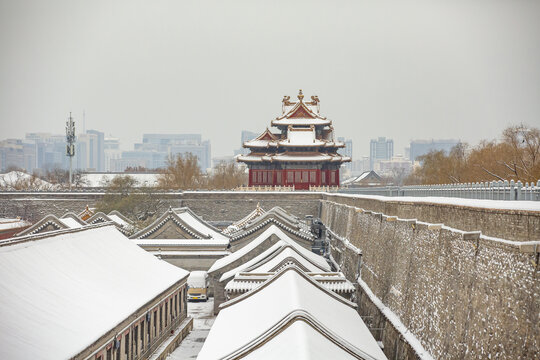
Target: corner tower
point(300, 152)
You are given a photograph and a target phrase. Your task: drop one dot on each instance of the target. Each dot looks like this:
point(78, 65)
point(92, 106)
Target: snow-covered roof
point(277, 216)
point(66, 289)
point(187, 221)
point(247, 281)
point(237, 225)
point(301, 137)
point(253, 244)
point(300, 340)
point(364, 175)
point(245, 323)
point(273, 256)
point(71, 223)
point(7, 223)
point(123, 224)
point(100, 179)
point(67, 221)
point(18, 180)
point(302, 256)
point(181, 242)
point(199, 224)
point(290, 156)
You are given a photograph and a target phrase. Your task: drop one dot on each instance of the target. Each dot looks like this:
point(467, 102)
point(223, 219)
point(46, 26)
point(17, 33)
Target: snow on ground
point(203, 318)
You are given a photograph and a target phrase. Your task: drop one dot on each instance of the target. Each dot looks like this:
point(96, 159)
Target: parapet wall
point(211, 205)
point(234, 205)
point(463, 295)
point(472, 215)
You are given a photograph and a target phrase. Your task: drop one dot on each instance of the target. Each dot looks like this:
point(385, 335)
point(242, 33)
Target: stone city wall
point(519, 225)
point(211, 205)
point(233, 205)
point(462, 294)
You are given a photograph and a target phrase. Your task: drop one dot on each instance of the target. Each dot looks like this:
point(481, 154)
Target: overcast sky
point(401, 69)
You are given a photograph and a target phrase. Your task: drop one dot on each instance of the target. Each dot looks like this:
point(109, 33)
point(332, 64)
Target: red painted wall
point(301, 179)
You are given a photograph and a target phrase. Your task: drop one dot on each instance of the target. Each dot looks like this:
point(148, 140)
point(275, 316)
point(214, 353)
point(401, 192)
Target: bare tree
point(182, 172)
point(226, 175)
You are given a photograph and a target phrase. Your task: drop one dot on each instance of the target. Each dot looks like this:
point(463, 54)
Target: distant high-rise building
point(11, 153)
point(49, 150)
point(111, 152)
point(422, 147)
point(90, 151)
point(99, 161)
point(155, 149)
point(380, 149)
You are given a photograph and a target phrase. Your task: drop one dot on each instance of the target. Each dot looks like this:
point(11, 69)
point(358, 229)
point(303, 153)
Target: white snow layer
point(60, 294)
point(241, 322)
point(475, 203)
point(100, 179)
point(299, 341)
point(200, 226)
point(6, 224)
point(272, 230)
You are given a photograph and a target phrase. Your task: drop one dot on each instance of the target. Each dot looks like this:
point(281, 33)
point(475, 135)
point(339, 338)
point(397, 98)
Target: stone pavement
point(203, 318)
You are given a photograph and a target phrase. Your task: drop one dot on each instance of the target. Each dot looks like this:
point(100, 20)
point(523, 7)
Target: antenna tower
point(70, 146)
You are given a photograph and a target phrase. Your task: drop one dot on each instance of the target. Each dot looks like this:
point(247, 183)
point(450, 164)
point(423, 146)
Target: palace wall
point(460, 293)
point(211, 205)
point(463, 295)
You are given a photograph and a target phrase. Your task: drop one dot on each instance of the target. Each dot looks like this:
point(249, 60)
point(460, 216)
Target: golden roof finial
point(300, 95)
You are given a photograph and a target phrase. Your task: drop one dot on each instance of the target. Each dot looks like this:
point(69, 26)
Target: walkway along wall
point(460, 293)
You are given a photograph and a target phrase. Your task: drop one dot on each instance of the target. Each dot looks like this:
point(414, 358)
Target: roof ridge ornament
point(300, 95)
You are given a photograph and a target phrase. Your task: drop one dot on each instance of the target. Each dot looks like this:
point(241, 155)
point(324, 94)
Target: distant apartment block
point(398, 165)
point(111, 152)
point(17, 153)
point(90, 151)
point(380, 149)
point(360, 165)
point(155, 149)
point(422, 147)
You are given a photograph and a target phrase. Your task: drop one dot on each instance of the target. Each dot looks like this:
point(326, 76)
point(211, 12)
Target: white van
point(198, 286)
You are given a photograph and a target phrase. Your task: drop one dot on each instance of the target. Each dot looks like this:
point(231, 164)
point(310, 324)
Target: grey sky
point(401, 69)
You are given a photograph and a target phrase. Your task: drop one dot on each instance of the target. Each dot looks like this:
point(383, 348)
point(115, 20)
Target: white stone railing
point(264, 188)
point(495, 190)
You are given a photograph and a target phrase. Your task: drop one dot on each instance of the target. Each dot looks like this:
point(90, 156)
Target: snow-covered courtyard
point(203, 318)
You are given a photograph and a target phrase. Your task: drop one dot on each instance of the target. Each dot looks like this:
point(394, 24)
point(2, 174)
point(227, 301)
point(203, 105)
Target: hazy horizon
point(402, 69)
